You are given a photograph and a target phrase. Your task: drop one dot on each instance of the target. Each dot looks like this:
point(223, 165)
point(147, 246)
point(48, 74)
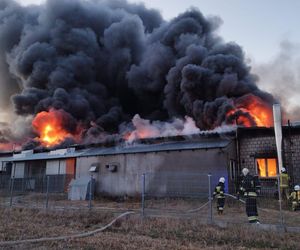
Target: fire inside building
point(117, 169)
point(109, 75)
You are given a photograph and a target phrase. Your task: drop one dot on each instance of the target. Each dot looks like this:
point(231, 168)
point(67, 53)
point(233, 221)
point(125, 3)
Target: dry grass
point(234, 210)
point(133, 232)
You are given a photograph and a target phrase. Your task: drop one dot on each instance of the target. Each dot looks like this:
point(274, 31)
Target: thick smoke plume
point(281, 76)
point(103, 62)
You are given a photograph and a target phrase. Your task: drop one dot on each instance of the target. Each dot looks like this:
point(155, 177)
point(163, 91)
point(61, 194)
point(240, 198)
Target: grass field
point(132, 232)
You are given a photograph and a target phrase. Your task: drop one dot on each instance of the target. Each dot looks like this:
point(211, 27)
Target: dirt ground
point(132, 232)
point(196, 208)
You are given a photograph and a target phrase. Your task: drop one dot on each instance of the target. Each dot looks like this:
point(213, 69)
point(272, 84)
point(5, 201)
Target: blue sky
point(257, 25)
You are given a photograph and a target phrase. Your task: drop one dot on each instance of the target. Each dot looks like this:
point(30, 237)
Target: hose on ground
point(197, 209)
point(80, 235)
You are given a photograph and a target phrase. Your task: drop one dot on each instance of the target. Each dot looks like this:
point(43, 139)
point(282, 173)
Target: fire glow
point(50, 127)
point(147, 129)
point(253, 112)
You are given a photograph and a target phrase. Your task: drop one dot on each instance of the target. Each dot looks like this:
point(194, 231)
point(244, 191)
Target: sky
point(258, 26)
point(267, 30)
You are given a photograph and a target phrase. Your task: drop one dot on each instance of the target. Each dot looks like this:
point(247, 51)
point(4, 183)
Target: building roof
point(206, 143)
point(165, 146)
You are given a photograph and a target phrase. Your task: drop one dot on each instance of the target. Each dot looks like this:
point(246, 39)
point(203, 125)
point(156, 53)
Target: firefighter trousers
point(220, 204)
point(251, 209)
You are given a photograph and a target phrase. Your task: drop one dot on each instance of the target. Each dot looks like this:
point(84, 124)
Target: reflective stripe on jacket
point(250, 186)
point(219, 191)
point(250, 194)
point(295, 196)
point(284, 180)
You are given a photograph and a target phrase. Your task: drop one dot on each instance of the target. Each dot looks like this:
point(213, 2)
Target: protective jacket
point(219, 190)
point(250, 186)
point(295, 197)
point(219, 194)
point(284, 180)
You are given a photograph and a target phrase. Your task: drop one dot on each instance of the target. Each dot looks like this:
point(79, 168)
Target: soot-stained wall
point(127, 179)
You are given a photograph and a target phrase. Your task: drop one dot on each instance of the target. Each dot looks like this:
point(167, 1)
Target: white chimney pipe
point(278, 133)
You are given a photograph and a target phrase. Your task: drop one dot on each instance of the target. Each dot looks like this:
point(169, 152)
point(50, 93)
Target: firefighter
point(250, 188)
point(284, 184)
point(295, 197)
point(219, 194)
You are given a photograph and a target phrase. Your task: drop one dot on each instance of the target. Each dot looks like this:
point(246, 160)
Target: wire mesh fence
point(33, 191)
point(191, 195)
point(178, 194)
point(169, 193)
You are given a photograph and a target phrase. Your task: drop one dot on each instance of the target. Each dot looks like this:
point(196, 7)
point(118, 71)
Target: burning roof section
point(142, 146)
point(85, 71)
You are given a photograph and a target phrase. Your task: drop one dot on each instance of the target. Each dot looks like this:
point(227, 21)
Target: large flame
point(50, 127)
point(252, 111)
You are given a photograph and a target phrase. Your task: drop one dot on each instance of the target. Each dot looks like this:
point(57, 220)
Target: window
point(266, 167)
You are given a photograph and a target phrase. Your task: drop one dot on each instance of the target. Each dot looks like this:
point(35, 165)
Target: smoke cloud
point(103, 62)
point(281, 77)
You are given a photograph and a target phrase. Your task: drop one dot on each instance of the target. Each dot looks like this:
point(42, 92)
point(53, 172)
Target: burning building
point(110, 72)
point(120, 167)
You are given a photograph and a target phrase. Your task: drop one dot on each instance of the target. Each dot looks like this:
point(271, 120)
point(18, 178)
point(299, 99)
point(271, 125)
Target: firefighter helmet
point(283, 170)
point(245, 171)
point(222, 180)
point(297, 188)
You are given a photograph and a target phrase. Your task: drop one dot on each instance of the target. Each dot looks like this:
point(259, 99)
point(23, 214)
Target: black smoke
point(105, 61)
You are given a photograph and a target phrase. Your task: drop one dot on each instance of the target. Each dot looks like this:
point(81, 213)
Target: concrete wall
point(130, 167)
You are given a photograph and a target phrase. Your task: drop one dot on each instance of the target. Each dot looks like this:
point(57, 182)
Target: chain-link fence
point(177, 194)
point(166, 194)
point(33, 191)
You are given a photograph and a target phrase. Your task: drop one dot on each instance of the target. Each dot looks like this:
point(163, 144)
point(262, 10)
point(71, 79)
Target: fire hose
point(235, 197)
point(199, 208)
point(79, 235)
point(242, 201)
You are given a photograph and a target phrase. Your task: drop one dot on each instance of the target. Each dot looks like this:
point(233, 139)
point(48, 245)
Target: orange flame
point(6, 147)
point(252, 111)
point(50, 127)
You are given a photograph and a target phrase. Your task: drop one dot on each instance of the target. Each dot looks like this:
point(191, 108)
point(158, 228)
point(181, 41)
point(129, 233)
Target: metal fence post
point(47, 191)
point(280, 200)
point(11, 190)
point(210, 199)
point(143, 194)
point(90, 192)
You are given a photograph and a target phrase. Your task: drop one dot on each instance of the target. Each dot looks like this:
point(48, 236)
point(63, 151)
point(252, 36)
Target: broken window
point(266, 167)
